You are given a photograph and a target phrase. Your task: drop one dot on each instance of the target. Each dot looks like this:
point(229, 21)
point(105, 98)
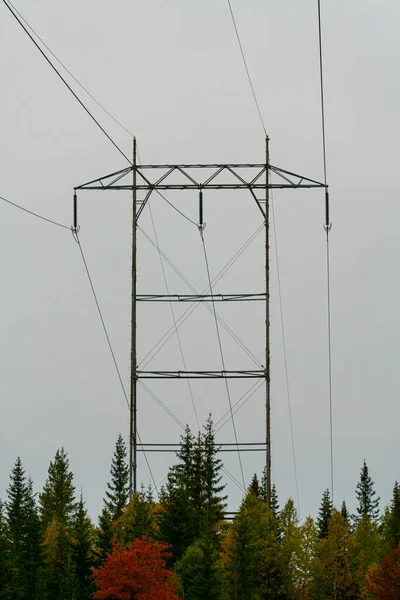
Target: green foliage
point(137, 520)
point(364, 551)
point(191, 503)
point(117, 492)
point(324, 515)
point(5, 571)
point(251, 553)
point(82, 552)
point(345, 513)
point(332, 574)
point(368, 504)
point(57, 500)
point(23, 534)
point(393, 530)
point(103, 537)
point(58, 509)
point(200, 573)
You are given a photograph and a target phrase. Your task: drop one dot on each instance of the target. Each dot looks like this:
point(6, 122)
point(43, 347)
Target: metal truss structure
point(258, 180)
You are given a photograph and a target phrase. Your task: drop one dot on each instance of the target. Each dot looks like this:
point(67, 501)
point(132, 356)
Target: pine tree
point(368, 505)
point(57, 500)
point(81, 553)
point(324, 515)
point(117, 492)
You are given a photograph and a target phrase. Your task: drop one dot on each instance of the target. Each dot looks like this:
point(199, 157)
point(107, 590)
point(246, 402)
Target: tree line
point(178, 545)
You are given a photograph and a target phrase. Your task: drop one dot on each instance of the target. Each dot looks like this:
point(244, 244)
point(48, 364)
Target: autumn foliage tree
point(138, 572)
point(383, 580)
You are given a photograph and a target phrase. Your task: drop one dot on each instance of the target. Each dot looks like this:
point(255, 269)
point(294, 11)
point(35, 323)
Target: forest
point(178, 545)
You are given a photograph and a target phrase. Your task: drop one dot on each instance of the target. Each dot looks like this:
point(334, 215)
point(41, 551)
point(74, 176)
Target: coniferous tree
point(4, 554)
point(57, 500)
point(394, 518)
point(368, 504)
point(103, 537)
point(324, 515)
point(254, 487)
point(213, 500)
point(117, 492)
point(23, 534)
point(137, 520)
point(274, 504)
point(251, 553)
point(200, 572)
point(344, 512)
point(81, 552)
point(57, 509)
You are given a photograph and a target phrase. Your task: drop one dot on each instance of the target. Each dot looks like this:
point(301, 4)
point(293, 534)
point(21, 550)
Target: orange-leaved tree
point(383, 580)
point(138, 572)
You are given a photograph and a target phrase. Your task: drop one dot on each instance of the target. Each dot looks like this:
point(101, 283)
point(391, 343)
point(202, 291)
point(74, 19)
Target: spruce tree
point(368, 505)
point(324, 515)
point(57, 510)
point(393, 525)
point(82, 552)
point(103, 537)
point(344, 512)
point(274, 503)
point(137, 520)
point(57, 500)
point(200, 572)
point(254, 487)
point(117, 492)
point(23, 533)
point(5, 569)
point(214, 502)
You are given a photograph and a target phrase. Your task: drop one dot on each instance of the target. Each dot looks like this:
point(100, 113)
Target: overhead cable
point(63, 80)
point(76, 236)
point(285, 360)
point(69, 72)
point(327, 228)
point(34, 214)
point(246, 67)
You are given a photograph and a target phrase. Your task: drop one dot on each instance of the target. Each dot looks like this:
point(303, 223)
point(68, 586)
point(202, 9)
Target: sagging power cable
point(19, 21)
point(327, 227)
point(76, 236)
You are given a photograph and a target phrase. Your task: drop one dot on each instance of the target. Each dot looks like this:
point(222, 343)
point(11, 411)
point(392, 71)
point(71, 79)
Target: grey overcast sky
point(172, 73)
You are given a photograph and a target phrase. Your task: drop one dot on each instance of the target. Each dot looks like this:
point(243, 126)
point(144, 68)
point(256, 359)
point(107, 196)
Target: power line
point(285, 353)
point(327, 227)
point(34, 214)
point(222, 355)
point(247, 69)
point(76, 236)
point(69, 72)
point(63, 80)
